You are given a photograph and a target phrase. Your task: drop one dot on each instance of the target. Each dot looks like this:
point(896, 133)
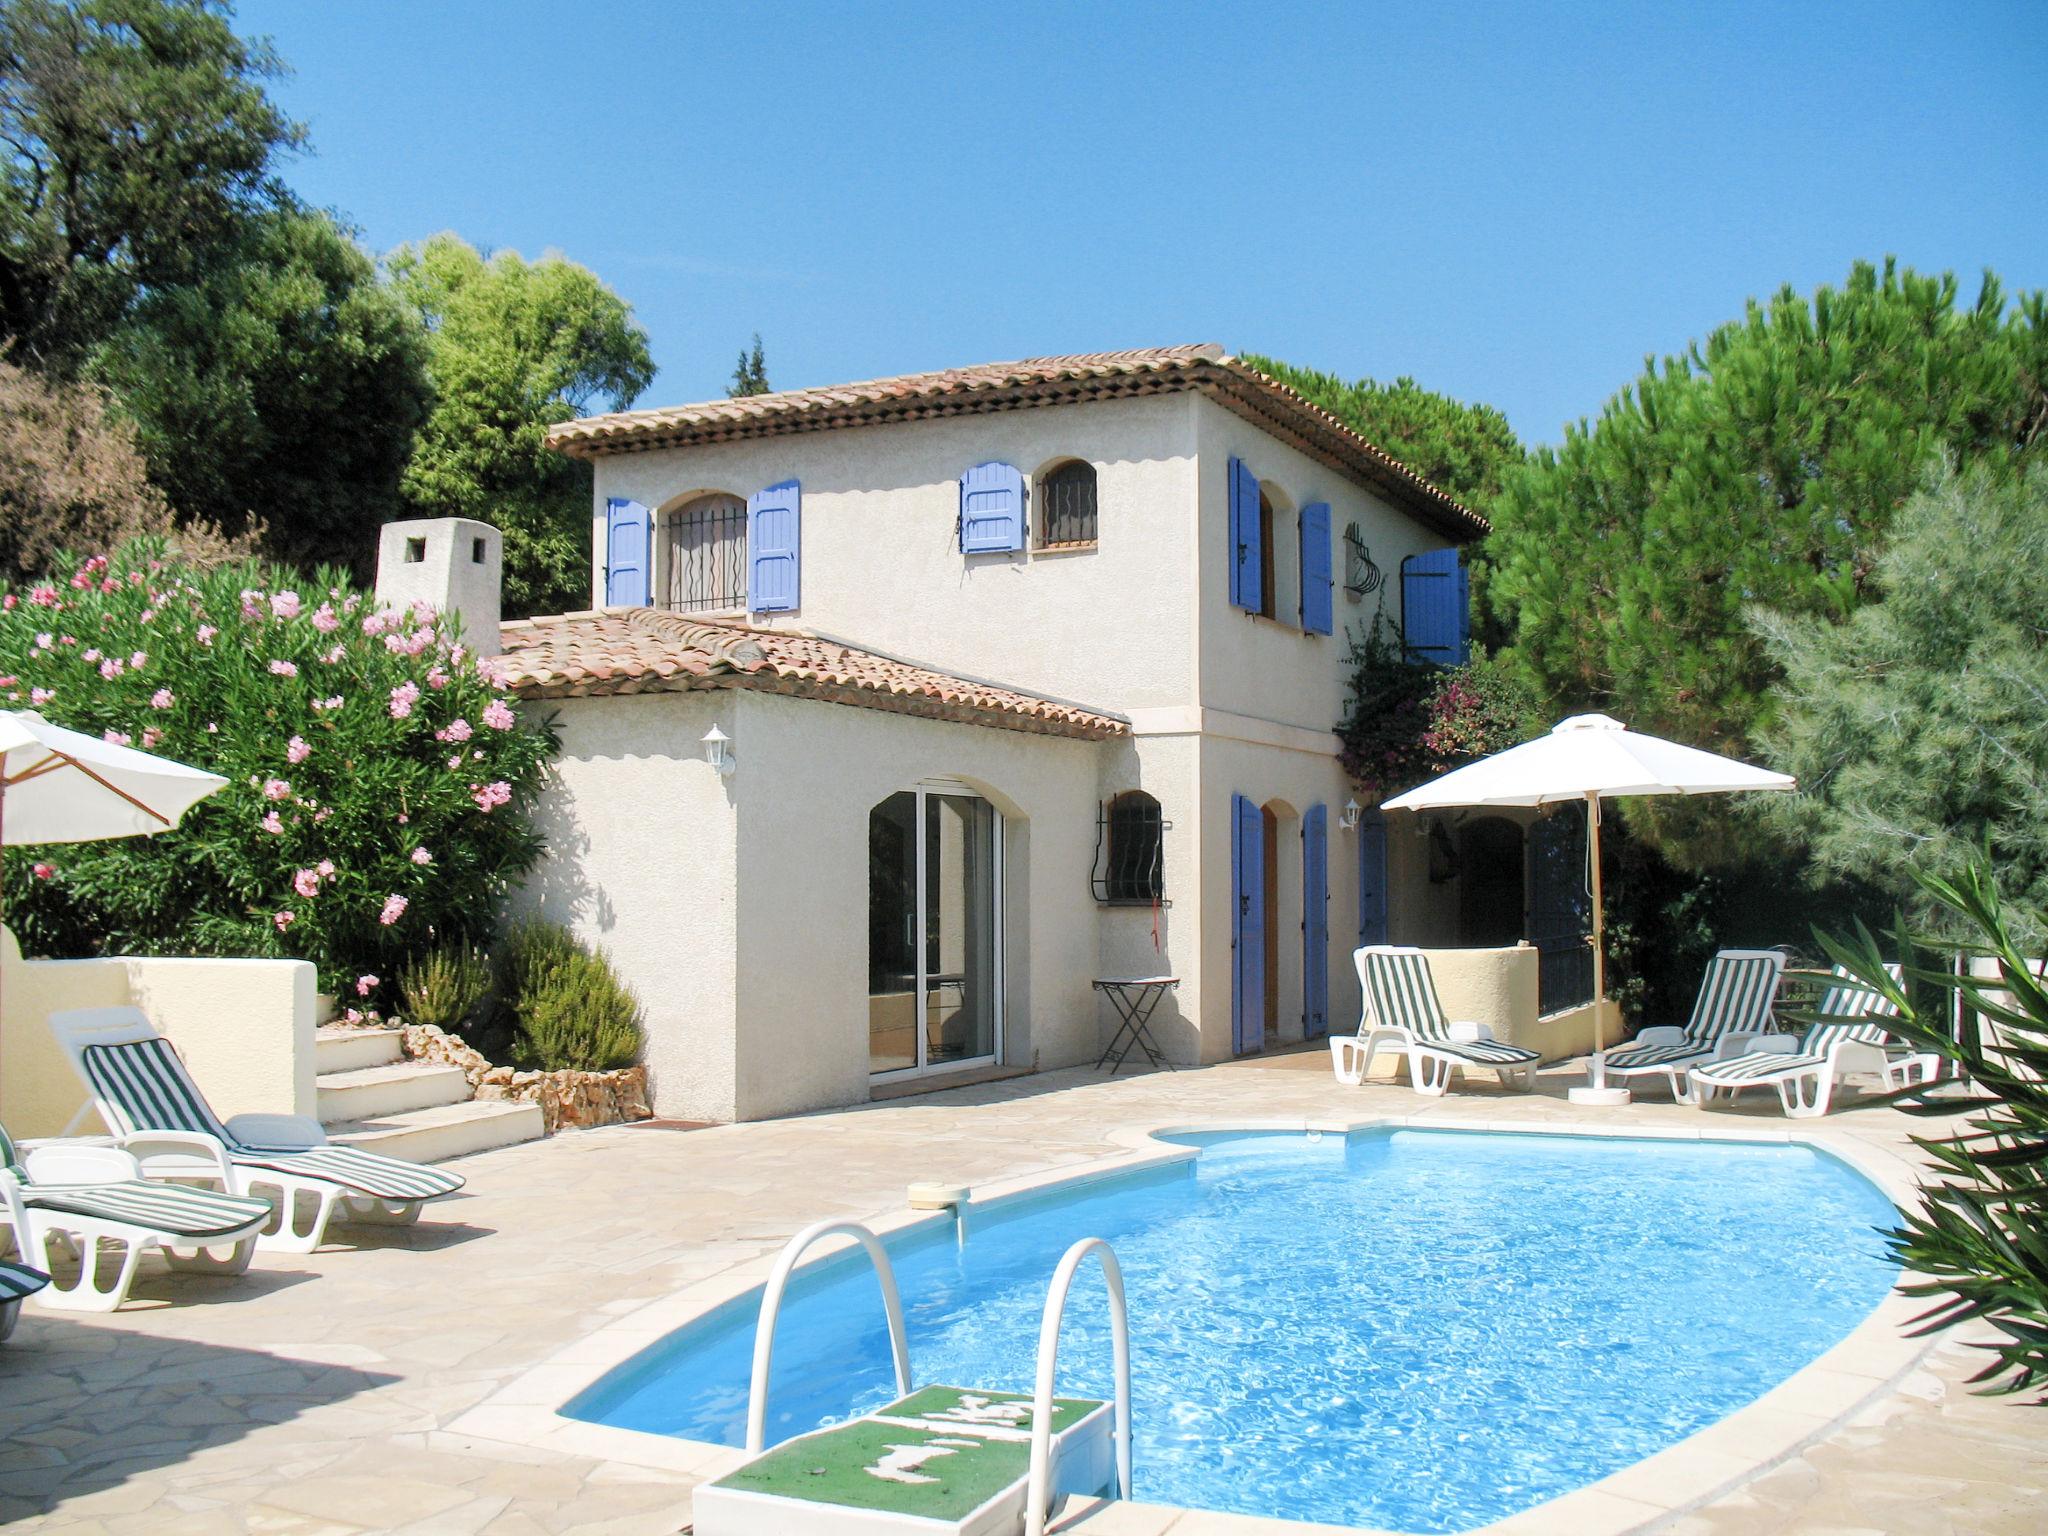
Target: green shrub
point(1982, 1230)
point(378, 778)
point(447, 988)
point(569, 1008)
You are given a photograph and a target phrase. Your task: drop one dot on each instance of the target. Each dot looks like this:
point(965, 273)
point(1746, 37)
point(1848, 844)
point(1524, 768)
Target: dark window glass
point(707, 555)
point(1066, 505)
point(1136, 863)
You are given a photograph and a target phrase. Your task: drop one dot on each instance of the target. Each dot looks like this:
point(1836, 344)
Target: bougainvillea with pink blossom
point(345, 836)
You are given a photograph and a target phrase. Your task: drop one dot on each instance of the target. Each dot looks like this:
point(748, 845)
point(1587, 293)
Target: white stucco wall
point(808, 774)
point(1111, 626)
point(641, 841)
point(243, 1027)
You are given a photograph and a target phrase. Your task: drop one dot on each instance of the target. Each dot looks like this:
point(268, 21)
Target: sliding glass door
point(934, 930)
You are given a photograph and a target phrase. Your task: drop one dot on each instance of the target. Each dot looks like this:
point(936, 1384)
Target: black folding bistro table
point(1134, 998)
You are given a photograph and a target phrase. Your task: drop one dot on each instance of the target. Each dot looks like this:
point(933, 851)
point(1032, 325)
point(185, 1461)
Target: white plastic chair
point(1402, 1010)
point(1733, 1008)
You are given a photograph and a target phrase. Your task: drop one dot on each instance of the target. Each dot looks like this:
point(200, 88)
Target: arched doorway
point(1490, 883)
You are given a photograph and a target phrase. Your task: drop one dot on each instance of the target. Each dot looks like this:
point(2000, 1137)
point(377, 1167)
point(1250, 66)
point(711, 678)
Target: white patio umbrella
point(59, 786)
point(1590, 758)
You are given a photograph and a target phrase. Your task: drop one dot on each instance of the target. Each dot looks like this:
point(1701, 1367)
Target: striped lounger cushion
point(173, 1209)
point(1759, 1067)
point(1658, 1055)
point(18, 1280)
point(1404, 993)
point(148, 1083)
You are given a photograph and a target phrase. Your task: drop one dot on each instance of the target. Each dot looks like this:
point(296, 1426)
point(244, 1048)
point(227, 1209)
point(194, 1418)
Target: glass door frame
point(998, 956)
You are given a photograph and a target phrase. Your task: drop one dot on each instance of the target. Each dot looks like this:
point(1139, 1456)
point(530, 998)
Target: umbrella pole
point(1599, 943)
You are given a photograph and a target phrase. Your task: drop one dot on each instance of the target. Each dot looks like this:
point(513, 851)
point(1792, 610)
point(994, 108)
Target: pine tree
point(750, 375)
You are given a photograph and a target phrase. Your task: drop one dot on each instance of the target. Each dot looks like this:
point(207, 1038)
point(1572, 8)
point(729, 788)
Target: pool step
point(943, 1461)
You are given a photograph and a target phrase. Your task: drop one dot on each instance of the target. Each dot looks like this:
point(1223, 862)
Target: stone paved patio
point(311, 1396)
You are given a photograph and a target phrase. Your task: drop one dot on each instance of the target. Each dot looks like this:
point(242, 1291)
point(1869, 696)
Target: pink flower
point(455, 763)
point(284, 605)
point(284, 669)
point(394, 909)
point(498, 715)
point(324, 704)
point(45, 640)
point(436, 678)
point(334, 655)
point(40, 696)
point(163, 698)
point(272, 823)
point(284, 920)
point(365, 985)
point(307, 883)
point(403, 698)
point(489, 797)
point(326, 868)
point(353, 1016)
point(252, 604)
point(139, 660)
point(403, 818)
point(297, 750)
point(421, 856)
point(204, 634)
point(325, 619)
point(277, 789)
point(43, 871)
point(373, 623)
point(151, 736)
point(91, 655)
point(45, 597)
point(111, 668)
point(457, 729)
point(118, 738)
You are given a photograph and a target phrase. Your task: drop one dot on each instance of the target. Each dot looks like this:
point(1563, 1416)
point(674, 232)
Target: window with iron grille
point(1133, 868)
point(1066, 504)
point(707, 555)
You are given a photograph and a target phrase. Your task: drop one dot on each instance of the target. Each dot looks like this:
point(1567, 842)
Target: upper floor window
point(1267, 563)
point(1133, 869)
point(1066, 504)
point(705, 544)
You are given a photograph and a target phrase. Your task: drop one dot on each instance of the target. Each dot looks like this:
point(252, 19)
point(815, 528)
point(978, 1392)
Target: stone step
point(446, 1130)
point(369, 1093)
point(346, 1048)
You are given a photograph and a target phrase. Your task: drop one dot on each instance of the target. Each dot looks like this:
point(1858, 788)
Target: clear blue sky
point(1512, 203)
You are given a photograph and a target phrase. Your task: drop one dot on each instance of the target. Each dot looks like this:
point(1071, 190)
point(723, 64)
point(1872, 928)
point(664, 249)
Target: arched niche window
point(1267, 558)
point(1131, 866)
point(704, 544)
point(1066, 505)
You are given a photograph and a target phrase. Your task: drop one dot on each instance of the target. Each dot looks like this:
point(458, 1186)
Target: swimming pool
point(1418, 1330)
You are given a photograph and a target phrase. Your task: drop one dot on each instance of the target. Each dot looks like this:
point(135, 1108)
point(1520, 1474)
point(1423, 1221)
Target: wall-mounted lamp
point(718, 751)
point(1349, 820)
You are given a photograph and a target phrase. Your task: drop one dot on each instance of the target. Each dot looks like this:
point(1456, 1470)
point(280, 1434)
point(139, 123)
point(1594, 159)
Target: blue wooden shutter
point(628, 551)
point(1317, 590)
point(1372, 879)
point(991, 509)
point(1315, 922)
point(1247, 580)
point(1248, 914)
point(1436, 617)
point(774, 547)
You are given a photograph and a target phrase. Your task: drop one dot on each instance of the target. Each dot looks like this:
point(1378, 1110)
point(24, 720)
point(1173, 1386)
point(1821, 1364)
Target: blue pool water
point(1418, 1330)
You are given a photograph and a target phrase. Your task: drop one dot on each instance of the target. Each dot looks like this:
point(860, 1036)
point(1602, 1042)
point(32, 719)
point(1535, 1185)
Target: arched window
point(1135, 867)
point(1266, 555)
point(705, 545)
point(1066, 505)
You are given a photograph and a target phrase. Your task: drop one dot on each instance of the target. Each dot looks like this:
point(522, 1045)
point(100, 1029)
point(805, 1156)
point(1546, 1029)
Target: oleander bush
point(1981, 1233)
point(569, 1009)
point(379, 779)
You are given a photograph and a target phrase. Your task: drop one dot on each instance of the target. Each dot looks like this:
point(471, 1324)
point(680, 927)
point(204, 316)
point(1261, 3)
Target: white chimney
point(451, 563)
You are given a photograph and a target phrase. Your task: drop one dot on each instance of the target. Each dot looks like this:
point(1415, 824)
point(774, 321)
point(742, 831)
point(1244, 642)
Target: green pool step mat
point(942, 1460)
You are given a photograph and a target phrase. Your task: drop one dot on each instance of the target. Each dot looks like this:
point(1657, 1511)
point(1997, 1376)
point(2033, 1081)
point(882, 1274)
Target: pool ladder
point(1038, 1491)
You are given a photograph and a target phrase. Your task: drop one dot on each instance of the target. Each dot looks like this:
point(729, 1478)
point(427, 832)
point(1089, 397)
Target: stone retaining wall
point(571, 1099)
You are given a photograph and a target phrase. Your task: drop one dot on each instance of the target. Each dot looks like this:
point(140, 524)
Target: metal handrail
point(1037, 1495)
point(771, 1308)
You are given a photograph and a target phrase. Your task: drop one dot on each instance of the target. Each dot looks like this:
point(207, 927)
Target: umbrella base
point(1600, 1096)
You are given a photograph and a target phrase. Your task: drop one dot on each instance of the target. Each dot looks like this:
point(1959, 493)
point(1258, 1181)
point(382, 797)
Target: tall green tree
point(281, 389)
point(1918, 727)
point(1763, 465)
point(750, 373)
point(135, 139)
point(514, 346)
point(1464, 449)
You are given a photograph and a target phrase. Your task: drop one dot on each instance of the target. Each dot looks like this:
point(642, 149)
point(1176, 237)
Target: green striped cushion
point(1849, 1011)
point(359, 1172)
point(18, 1280)
point(175, 1209)
point(1404, 997)
point(1735, 998)
point(1759, 1067)
point(149, 1088)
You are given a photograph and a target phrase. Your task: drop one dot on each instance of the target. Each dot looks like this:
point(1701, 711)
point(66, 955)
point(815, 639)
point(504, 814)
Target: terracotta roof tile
point(1032, 381)
point(644, 650)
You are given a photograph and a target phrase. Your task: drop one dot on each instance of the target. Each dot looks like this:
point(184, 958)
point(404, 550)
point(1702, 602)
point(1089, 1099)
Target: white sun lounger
point(16, 1282)
point(1848, 1036)
point(1402, 1011)
point(77, 1195)
point(1733, 1008)
point(157, 1112)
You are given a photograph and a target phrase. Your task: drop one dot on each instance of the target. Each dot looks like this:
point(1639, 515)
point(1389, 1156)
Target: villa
point(1039, 660)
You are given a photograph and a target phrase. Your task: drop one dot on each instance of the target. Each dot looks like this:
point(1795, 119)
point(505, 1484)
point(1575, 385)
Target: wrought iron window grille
point(1129, 865)
point(707, 556)
point(1362, 578)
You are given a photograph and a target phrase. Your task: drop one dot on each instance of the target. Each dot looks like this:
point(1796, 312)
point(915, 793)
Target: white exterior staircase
point(372, 1097)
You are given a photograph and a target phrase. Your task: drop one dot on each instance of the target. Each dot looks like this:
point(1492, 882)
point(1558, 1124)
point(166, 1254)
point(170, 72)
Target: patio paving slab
point(316, 1394)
